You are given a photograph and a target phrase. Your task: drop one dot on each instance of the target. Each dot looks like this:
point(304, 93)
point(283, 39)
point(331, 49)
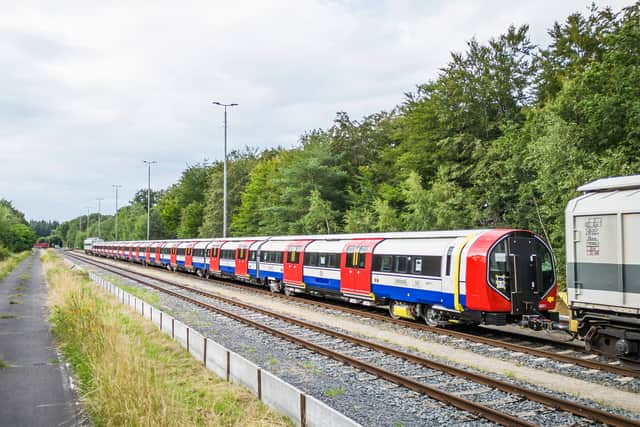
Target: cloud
point(90, 89)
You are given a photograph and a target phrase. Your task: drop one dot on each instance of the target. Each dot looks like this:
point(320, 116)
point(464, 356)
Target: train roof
point(612, 184)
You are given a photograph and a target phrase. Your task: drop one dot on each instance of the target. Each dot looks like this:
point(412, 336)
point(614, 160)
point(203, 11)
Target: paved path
point(35, 388)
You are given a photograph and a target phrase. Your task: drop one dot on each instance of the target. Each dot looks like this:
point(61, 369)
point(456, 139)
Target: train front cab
point(510, 278)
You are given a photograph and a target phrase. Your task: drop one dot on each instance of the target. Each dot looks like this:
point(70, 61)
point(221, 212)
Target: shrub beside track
point(129, 373)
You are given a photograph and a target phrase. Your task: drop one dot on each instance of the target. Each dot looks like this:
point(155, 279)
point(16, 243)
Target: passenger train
point(494, 276)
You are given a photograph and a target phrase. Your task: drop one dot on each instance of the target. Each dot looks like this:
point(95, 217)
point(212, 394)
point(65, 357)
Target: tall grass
point(131, 374)
point(10, 263)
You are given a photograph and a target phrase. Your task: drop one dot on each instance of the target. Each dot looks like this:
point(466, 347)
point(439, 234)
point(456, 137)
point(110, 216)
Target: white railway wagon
point(603, 265)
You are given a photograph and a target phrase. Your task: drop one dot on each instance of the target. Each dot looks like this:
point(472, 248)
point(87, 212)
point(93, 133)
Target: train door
point(158, 249)
point(526, 272)
point(173, 256)
point(214, 257)
point(355, 267)
point(188, 256)
point(293, 258)
point(242, 259)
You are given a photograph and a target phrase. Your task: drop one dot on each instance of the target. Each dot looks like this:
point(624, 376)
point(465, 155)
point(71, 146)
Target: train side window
point(401, 264)
point(333, 260)
point(252, 255)
point(208, 253)
point(352, 256)
point(449, 253)
point(376, 261)
point(322, 260)
point(293, 255)
point(241, 253)
point(311, 259)
point(362, 251)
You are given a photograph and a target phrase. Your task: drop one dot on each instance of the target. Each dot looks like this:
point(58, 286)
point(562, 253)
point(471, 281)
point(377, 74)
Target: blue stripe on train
point(227, 269)
point(416, 295)
point(199, 265)
point(322, 283)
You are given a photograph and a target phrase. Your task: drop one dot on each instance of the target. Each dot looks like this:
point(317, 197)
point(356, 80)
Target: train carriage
point(266, 263)
point(321, 272)
point(603, 266)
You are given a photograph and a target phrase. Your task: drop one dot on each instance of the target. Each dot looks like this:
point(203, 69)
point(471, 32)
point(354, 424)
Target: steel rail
point(548, 400)
point(586, 363)
point(447, 398)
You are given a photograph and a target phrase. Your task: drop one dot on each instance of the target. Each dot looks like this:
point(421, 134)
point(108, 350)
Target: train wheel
point(432, 317)
point(392, 304)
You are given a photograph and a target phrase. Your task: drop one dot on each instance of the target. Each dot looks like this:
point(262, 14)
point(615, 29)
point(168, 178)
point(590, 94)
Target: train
point(488, 276)
point(603, 266)
point(89, 242)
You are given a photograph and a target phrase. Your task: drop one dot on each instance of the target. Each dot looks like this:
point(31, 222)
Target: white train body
point(603, 265)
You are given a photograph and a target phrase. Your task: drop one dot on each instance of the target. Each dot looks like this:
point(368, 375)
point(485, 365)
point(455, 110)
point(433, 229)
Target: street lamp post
point(224, 170)
point(88, 217)
point(149, 163)
point(116, 186)
point(99, 200)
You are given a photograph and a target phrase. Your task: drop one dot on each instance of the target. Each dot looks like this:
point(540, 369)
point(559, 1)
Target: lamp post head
point(224, 105)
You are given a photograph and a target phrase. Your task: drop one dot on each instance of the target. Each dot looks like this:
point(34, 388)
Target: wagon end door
point(355, 267)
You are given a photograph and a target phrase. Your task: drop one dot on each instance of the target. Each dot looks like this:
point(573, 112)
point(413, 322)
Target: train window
point(382, 263)
point(546, 264)
point(241, 253)
point(449, 253)
point(431, 266)
point(252, 255)
point(362, 258)
point(215, 252)
point(310, 259)
point(228, 254)
point(499, 269)
point(181, 251)
point(401, 264)
point(352, 256)
point(322, 260)
point(264, 256)
point(333, 260)
point(208, 253)
point(293, 254)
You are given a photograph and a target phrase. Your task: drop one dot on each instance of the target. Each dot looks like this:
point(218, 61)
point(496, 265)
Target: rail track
point(551, 349)
point(357, 352)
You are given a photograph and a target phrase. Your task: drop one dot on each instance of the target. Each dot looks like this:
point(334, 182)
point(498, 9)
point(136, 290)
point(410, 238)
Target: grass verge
point(129, 373)
point(10, 263)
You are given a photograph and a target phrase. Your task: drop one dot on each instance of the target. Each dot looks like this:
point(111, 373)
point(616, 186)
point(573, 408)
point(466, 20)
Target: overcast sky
point(88, 89)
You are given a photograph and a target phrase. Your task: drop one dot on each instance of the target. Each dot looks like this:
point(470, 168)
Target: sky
point(90, 89)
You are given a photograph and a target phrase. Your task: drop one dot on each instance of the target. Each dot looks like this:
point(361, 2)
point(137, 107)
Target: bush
point(4, 253)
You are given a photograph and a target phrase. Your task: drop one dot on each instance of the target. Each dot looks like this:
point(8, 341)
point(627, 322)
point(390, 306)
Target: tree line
point(15, 233)
point(502, 137)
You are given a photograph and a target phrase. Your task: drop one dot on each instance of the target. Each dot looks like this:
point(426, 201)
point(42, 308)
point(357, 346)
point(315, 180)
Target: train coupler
point(537, 322)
